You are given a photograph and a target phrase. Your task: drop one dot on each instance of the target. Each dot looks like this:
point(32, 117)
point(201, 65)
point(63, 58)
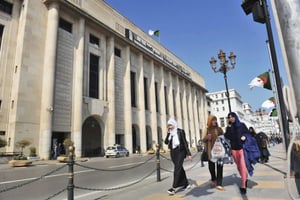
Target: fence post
point(157, 162)
point(71, 173)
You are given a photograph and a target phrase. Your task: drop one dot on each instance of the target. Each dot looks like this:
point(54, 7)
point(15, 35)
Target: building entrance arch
point(92, 138)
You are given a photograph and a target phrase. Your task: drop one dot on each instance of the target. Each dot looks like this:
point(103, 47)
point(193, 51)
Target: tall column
point(180, 101)
point(48, 82)
point(203, 110)
point(127, 101)
point(170, 96)
point(162, 103)
point(177, 102)
point(189, 113)
point(103, 71)
point(14, 97)
point(195, 124)
point(141, 104)
point(110, 130)
point(184, 106)
point(77, 90)
point(153, 104)
point(196, 114)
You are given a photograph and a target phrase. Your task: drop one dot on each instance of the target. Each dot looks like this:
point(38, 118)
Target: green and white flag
point(151, 32)
point(262, 80)
point(269, 103)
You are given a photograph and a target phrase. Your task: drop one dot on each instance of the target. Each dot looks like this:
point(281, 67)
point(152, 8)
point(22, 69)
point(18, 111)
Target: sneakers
point(243, 191)
point(171, 191)
point(219, 187)
point(186, 187)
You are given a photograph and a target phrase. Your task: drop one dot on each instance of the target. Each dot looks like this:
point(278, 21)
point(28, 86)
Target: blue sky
point(196, 30)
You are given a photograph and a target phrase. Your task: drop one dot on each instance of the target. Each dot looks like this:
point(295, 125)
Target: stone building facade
point(78, 69)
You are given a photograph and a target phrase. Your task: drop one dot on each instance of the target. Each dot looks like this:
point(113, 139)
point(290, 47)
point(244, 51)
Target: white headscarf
point(173, 133)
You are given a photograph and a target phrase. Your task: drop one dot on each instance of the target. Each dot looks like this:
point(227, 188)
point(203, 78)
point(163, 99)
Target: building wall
point(45, 81)
point(21, 62)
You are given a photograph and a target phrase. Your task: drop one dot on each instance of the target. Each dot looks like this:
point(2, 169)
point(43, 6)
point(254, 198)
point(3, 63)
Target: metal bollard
point(157, 162)
point(71, 173)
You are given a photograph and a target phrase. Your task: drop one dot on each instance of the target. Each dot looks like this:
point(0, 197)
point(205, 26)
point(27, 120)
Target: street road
point(97, 177)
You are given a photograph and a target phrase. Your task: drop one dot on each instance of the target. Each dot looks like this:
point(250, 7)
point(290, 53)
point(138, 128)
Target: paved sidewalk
point(267, 183)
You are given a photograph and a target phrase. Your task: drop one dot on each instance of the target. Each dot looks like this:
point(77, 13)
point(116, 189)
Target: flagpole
point(274, 88)
point(284, 122)
point(273, 85)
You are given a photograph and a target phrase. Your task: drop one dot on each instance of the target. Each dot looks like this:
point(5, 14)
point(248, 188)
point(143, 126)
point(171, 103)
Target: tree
point(22, 144)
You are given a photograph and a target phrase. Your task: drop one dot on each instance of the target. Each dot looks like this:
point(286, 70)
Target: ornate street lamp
point(224, 68)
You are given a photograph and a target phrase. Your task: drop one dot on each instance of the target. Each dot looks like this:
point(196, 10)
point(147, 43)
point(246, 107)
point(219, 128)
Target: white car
point(116, 151)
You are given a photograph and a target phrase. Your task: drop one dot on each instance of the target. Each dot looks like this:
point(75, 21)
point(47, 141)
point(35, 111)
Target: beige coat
point(215, 131)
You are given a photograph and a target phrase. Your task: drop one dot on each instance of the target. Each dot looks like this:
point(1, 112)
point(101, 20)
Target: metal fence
point(70, 163)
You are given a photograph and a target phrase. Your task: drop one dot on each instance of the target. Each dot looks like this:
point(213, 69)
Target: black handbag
point(204, 155)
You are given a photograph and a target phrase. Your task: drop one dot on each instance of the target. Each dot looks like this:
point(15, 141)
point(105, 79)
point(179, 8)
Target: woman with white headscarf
point(178, 145)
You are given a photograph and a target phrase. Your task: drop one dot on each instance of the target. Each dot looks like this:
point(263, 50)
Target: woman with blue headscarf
point(235, 132)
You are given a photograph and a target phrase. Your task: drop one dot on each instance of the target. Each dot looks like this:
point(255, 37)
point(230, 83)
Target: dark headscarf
point(235, 132)
point(237, 120)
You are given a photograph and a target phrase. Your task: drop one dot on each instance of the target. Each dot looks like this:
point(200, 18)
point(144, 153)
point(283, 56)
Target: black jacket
point(183, 146)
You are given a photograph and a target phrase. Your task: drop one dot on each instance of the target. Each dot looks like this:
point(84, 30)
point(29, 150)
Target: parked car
point(116, 151)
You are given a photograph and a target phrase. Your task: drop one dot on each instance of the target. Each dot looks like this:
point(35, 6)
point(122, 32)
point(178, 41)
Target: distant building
point(219, 105)
point(261, 121)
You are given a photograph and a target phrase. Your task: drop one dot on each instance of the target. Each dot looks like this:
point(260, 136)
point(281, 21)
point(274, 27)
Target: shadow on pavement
point(204, 189)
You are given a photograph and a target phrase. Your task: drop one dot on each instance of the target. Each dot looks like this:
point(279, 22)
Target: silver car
point(116, 151)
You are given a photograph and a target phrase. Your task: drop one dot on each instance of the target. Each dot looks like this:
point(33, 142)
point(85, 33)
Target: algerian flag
point(151, 32)
point(262, 80)
point(270, 103)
